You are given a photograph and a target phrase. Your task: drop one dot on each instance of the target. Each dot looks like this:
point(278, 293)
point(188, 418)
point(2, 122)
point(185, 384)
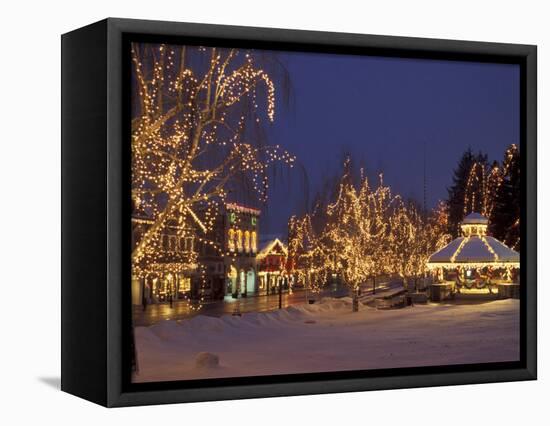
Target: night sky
point(384, 111)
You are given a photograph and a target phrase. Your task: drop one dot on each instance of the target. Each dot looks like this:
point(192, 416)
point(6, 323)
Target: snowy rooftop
point(266, 239)
point(475, 249)
point(266, 246)
point(474, 219)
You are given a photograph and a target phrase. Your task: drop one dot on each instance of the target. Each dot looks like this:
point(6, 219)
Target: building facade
point(272, 264)
point(200, 264)
point(241, 234)
point(168, 275)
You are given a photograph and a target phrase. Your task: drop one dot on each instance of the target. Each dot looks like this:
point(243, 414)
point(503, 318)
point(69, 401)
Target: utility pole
point(307, 284)
point(424, 184)
point(424, 214)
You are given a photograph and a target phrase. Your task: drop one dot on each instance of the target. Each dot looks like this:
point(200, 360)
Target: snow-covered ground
point(327, 336)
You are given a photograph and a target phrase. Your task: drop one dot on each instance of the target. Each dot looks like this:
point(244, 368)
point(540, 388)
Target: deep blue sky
point(383, 111)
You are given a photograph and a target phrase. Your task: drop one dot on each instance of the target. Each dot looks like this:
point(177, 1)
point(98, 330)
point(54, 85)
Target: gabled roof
point(270, 246)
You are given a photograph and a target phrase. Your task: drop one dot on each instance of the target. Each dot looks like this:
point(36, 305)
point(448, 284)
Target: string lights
point(191, 108)
point(475, 255)
point(364, 233)
point(483, 186)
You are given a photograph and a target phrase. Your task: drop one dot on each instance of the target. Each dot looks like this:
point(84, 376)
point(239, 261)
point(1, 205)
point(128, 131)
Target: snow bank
point(328, 336)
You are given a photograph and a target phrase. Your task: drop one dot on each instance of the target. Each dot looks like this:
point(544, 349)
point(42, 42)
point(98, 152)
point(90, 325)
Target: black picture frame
point(96, 209)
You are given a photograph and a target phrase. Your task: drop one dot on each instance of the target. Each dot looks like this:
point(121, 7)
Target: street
point(180, 310)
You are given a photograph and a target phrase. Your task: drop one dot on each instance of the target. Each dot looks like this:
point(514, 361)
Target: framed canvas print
point(252, 212)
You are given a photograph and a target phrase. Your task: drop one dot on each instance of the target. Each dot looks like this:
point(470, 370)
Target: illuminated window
point(231, 240)
point(239, 242)
point(246, 241)
point(184, 284)
point(253, 242)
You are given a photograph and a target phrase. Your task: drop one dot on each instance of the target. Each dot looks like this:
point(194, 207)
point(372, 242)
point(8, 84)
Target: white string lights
point(190, 111)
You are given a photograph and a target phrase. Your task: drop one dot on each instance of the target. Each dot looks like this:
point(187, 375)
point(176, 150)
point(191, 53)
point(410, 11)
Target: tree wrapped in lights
point(307, 260)
point(413, 238)
point(457, 192)
point(481, 187)
point(402, 241)
point(430, 235)
point(192, 107)
point(357, 233)
point(368, 233)
point(343, 236)
point(380, 206)
point(494, 193)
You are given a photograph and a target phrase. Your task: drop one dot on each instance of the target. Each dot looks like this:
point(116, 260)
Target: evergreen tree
point(457, 191)
point(504, 224)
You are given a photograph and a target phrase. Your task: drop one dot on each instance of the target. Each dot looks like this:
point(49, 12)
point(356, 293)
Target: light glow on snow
point(328, 337)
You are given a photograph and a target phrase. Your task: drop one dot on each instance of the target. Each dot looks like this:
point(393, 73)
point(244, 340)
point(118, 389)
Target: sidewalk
point(262, 303)
point(180, 309)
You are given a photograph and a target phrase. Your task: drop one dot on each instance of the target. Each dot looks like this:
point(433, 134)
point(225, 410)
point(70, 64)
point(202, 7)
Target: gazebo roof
point(475, 251)
point(475, 219)
point(474, 248)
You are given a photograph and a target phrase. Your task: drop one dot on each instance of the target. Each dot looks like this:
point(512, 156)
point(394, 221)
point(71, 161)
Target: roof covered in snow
point(475, 218)
point(475, 249)
point(275, 246)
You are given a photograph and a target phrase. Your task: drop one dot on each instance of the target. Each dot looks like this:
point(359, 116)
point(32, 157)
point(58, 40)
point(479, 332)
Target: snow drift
point(327, 336)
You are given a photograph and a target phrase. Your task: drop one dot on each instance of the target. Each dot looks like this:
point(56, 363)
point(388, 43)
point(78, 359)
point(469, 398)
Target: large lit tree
point(307, 259)
point(494, 192)
point(378, 207)
point(365, 233)
point(402, 241)
point(342, 228)
point(357, 231)
point(414, 238)
point(192, 107)
point(430, 235)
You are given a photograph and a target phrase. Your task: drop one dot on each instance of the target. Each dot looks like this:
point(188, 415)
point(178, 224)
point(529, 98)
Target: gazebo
point(476, 262)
